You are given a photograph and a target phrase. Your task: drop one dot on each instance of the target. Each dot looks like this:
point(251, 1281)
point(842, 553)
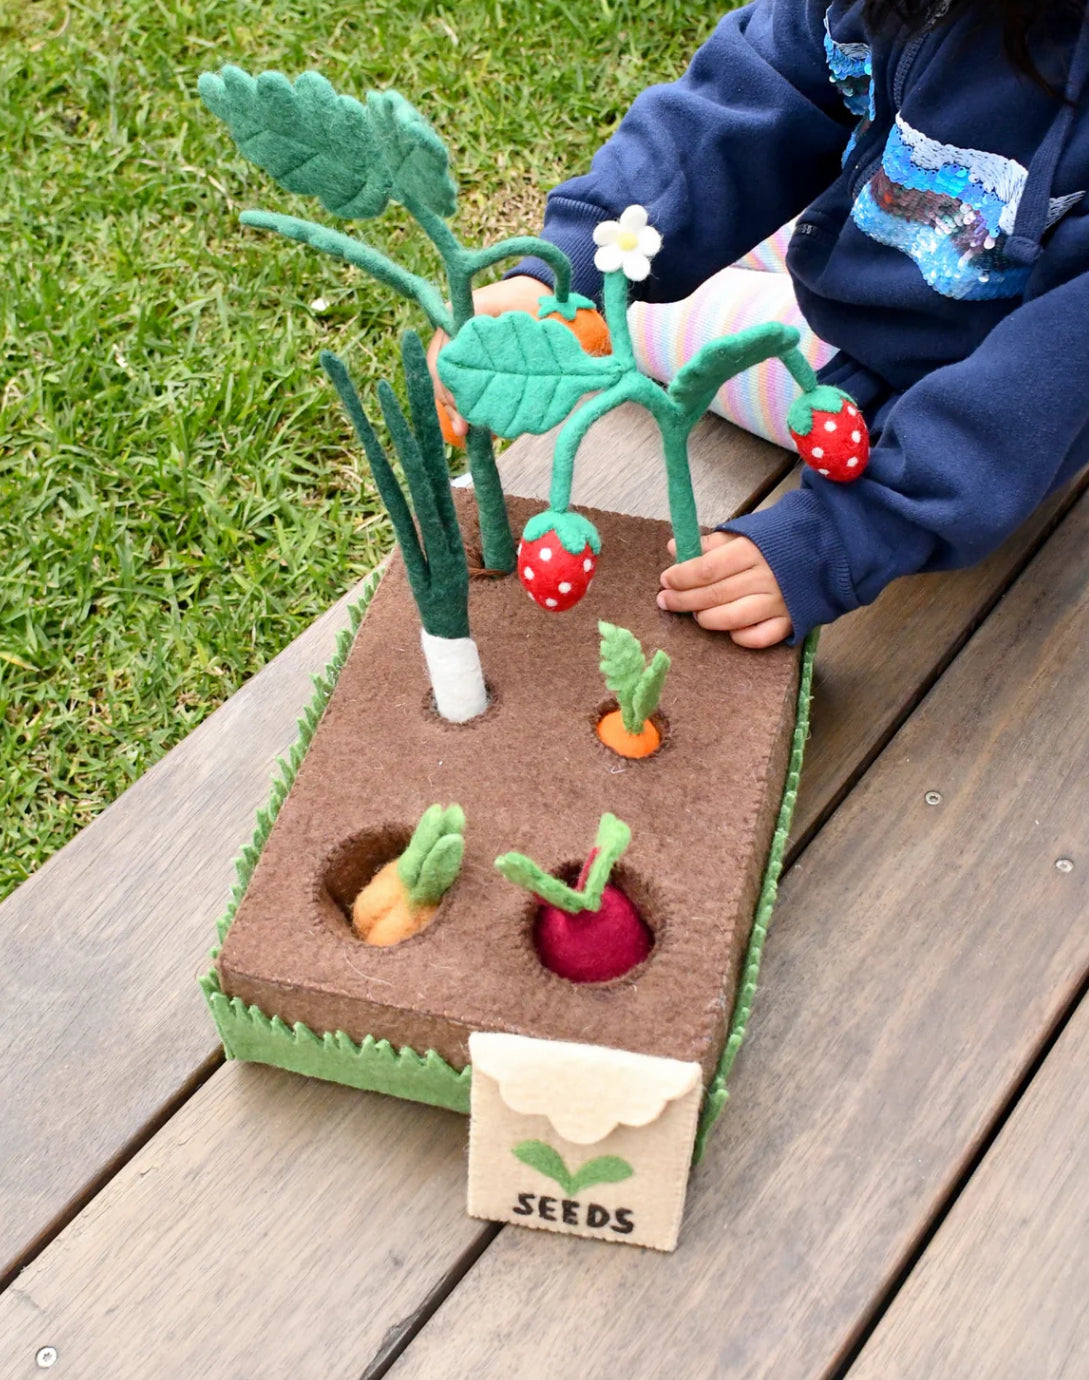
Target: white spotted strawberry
point(830, 433)
point(557, 557)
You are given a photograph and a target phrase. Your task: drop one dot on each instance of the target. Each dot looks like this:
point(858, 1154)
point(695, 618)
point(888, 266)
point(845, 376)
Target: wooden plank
point(99, 949)
point(921, 954)
point(275, 1226)
point(1002, 1293)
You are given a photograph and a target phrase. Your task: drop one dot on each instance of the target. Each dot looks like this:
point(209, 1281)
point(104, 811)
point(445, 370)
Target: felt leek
point(430, 541)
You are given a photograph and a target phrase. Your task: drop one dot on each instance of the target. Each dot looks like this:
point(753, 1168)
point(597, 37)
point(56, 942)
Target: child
point(936, 154)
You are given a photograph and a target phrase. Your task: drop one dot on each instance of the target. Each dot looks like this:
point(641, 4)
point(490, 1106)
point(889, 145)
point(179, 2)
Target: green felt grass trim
point(636, 685)
point(430, 539)
point(605, 1169)
point(823, 398)
point(430, 864)
point(573, 531)
point(717, 1093)
point(288, 767)
point(613, 838)
point(374, 1066)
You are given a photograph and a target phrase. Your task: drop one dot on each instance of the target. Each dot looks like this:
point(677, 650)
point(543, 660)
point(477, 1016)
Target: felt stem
point(518, 247)
point(800, 369)
point(496, 538)
point(616, 317)
point(613, 837)
point(572, 434)
point(682, 498)
point(358, 254)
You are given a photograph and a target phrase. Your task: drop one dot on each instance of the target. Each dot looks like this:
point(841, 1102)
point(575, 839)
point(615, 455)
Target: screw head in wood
point(933, 797)
point(1064, 865)
point(46, 1357)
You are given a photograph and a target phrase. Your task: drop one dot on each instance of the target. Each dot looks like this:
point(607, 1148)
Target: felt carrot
point(401, 898)
point(629, 730)
point(590, 932)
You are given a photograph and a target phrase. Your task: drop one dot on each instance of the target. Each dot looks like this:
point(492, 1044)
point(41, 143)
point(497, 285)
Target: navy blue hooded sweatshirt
point(942, 248)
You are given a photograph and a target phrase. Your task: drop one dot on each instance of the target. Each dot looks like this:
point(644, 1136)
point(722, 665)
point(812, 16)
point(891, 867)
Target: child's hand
point(730, 588)
point(510, 294)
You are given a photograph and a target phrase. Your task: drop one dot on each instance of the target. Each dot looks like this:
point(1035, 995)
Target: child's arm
point(960, 461)
point(721, 158)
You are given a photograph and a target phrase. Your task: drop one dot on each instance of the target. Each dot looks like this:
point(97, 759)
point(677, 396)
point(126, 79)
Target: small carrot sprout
point(637, 686)
point(401, 898)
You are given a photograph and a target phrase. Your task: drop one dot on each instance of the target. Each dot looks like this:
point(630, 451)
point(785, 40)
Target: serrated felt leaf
point(439, 871)
point(513, 374)
point(417, 159)
point(648, 691)
point(606, 1169)
point(621, 661)
point(697, 382)
point(545, 1160)
point(307, 137)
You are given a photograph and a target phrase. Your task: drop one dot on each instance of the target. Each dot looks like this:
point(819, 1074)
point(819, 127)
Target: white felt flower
point(628, 243)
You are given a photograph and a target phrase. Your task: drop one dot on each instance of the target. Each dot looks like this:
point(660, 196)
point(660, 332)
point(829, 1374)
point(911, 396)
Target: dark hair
point(1025, 24)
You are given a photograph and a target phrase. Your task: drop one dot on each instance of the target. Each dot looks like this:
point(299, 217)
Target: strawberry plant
point(513, 374)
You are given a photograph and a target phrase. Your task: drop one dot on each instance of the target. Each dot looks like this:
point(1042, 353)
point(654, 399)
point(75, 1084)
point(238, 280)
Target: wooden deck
point(899, 1186)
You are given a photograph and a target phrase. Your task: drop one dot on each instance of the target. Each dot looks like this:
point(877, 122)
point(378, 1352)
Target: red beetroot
point(831, 434)
point(594, 945)
point(557, 557)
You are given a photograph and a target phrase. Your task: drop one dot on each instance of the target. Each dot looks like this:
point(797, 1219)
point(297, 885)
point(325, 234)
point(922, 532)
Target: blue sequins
point(952, 211)
point(851, 68)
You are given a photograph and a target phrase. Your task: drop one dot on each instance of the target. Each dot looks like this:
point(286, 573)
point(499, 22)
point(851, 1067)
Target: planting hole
point(358, 860)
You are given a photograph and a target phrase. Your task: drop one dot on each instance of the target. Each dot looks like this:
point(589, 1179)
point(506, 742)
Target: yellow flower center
point(626, 240)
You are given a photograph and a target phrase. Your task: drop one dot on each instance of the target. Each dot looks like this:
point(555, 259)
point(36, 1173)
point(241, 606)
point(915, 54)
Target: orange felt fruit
point(382, 915)
point(614, 735)
point(589, 328)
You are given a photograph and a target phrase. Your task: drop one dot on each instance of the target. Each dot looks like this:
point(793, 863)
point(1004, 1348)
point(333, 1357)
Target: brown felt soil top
point(531, 776)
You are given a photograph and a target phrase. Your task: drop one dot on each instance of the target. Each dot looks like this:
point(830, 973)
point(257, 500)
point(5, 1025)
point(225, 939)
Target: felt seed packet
point(581, 1139)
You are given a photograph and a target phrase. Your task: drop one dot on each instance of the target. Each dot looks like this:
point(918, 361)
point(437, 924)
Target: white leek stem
point(457, 677)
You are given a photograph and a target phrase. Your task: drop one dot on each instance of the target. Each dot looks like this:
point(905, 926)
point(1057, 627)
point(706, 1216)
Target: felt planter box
point(295, 987)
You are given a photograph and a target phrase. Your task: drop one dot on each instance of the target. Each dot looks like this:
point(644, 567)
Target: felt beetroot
point(590, 932)
point(557, 557)
point(830, 433)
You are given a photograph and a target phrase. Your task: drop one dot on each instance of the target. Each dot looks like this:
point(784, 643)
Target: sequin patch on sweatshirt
point(952, 211)
point(851, 68)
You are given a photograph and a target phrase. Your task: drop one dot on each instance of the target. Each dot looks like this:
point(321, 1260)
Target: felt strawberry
point(557, 557)
point(830, 433)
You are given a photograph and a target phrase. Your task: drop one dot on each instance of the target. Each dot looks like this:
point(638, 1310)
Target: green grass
point(179, 496)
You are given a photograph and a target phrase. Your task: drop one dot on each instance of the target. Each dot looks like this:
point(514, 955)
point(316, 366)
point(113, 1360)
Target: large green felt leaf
point(700, 379)
point(513, 374)
point(415, 155)
point(308, 138)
